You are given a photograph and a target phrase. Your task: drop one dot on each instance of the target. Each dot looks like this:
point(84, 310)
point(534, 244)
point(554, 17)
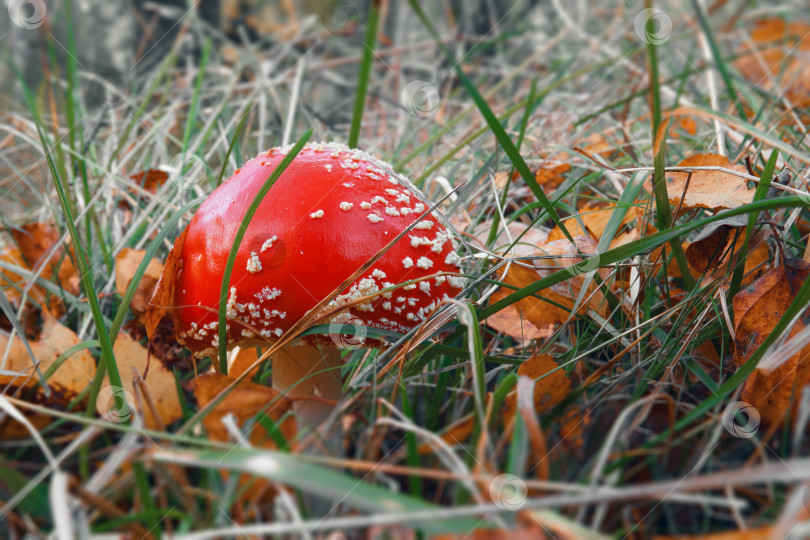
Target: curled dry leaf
point(71, 377)
point(130, 356)
point(710, 189)
point(150, 180)
point(35, 241)
point(126, 263)
point(780, 64)
point(554, 304)
point(596, 218)
point(759, 533)
point(757, 310)
point(551, 385)
point(245, 402)
point(711, 254)
point(164, 291)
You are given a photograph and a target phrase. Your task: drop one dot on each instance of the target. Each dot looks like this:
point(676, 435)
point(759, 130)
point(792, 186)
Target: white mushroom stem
point(304, 371)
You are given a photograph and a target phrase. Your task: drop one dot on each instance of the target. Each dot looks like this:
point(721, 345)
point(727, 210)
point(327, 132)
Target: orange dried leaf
point(70, 378)
point(550, 386)
point(757, 310)
point(711, 189)
point(552, 175)
point(126, 263)
point(130, 356)
point(559, 298)
point(572, 429)
point(36, 242)
point(164, 291)
point(686, 124)
point(510, 321)
point(245, 401)
point(240, 359)
point(595, 219)
point(761, 533)
point(780, 64)
point(456, 433)
point(151, 179)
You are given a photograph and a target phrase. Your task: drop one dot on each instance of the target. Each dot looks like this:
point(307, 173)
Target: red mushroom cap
point(330, 211)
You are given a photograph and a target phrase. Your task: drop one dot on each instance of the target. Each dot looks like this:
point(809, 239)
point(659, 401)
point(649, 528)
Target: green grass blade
point(195, 99)
point(759, 194)
point(107, 356)
point(365, 72)
point(494, 124)
point(637, 247)
point(239, 127)
point(226, 278)
point(154, 245)
point(663, 210)
point(317, 480)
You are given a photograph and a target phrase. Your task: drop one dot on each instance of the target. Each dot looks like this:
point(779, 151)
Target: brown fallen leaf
point(760, 533)
point(706, 254)
point(558, 300)
point(245, 402)
point(35, 240)
point(456, 433)
point(597, 144)
point(780, 64)
point(595, 218)
point(552, 175)
point(686, 124)
point(757, 310)
point(573, 424)
point(13, 282)
point(160, 382)
point(240, 359)
point(71, 377)
point(525, 528)
point(164, 290)
point(513, 323)
point(714, 190)
point(713, 254)
point(126, 263)
point(150, 180)
point(550, 386)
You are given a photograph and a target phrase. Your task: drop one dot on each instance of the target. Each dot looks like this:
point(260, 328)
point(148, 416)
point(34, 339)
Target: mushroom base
point(312, 374)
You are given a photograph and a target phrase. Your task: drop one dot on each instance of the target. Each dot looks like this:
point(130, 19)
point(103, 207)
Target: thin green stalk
point(365, 72)
point(718, 58)
point(494, 124)
point(239, 127)
point(636, 247)
point(195, 99)
point(760, 194)
point(664, 212)
point(240, 234)
point(107, 356)
point(496, 220)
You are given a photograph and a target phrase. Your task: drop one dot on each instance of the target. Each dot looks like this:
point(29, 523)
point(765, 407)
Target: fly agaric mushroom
point(330, 212)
